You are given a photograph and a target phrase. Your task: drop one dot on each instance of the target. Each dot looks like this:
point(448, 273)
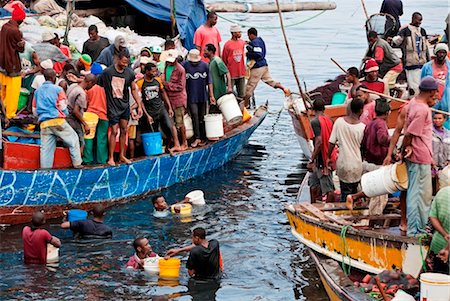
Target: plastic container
point(387, 179)
point(213, 126)
point(434, 287)
point(92, 121)
point(184, 209)
point(52, 254)
point(338, 98)
point(151, 265)
point(189, 126)
point(196, 197)
point(152, 143)
point(23, 98)
point(246, 115)
point(229, 107)
point(169, 268)
point(76, 215)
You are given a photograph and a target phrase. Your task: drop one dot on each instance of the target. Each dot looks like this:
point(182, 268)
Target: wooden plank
point(373, 217)
point(21, 135)
point(314, 211)
point(235, 7)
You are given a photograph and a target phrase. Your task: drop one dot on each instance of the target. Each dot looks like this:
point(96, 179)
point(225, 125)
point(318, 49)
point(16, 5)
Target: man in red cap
point(371, 79)
point(11, 43)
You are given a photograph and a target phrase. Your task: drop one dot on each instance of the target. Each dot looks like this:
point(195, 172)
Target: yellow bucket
point(169, 268)
point(182, 209)
point(246, 115)
point(92, 121)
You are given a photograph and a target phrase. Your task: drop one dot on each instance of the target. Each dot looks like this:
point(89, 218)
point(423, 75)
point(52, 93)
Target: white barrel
point(213, 126)
point(196, 197)
point(229, 107)
point(189, 127)
point(151, 265)
point(52, 254)
point(386, 179)
point(434, 287)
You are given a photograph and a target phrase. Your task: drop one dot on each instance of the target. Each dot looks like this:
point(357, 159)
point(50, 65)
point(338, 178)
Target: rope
point(424, 264)
point(345, 267)
point(243, 24)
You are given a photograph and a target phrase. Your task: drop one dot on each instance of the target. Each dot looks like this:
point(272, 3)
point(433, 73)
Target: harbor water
point(245, 198)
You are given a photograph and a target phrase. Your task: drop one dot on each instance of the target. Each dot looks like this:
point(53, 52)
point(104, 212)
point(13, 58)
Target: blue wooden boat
point(22, 192)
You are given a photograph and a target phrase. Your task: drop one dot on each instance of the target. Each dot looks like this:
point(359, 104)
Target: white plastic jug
point(151, 265)
point(196, 197)
point(213, 126)
point(229, 107)
point(189, 127)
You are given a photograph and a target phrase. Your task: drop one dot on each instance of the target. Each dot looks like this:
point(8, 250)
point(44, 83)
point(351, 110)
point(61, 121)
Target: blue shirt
point(197, 79)
point(257, 52)
point(50, 102)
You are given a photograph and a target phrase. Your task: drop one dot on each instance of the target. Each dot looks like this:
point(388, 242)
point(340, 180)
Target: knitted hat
point(428, 83)
point(439, 47)
point(146, 49)
point(96, 68)
point(235, 28)
point(371, 65)
point(86, 60)
point(18, 14)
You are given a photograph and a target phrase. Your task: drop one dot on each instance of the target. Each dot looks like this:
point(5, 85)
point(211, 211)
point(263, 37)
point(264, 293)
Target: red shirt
point(377, 86)
point(419, 124)
point(57, 66)
point(35, 245)
point(136, 263)
point(379, 56)
point(97, 101)
point(207, 35)
point(440, 74)
point(368, 113)
point(376, 141)
point(233, 57)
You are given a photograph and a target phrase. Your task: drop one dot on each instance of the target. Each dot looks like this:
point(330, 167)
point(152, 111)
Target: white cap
point(47, 64)
point(235, 28)
point(48, 36)
point(172, 55)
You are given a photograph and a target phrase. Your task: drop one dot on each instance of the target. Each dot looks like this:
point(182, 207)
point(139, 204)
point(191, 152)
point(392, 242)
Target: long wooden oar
point(339, 66)
point(400, 100)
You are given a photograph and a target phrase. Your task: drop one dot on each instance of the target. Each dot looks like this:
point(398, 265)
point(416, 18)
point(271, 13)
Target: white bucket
point(387, 179)
point(434, 287)
point(213, 126)
point(52, 254)
point(151, 265)
point(189, 127)
point(196, 197)
point(229, 107)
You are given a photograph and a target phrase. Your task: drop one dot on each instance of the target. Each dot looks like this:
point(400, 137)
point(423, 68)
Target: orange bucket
point(246, 115)
point(169, 268)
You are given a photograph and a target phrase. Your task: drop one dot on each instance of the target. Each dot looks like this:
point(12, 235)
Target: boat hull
point(55, 190)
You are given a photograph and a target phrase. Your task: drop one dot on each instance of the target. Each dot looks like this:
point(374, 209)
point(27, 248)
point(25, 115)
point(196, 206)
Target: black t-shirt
point(93, 48)
point(151, 97)
point(315, 124)
point(88, 227)
point(117, 89)
point(205, 261)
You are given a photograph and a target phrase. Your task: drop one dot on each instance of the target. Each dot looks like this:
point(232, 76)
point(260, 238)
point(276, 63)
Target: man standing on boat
point(117, 81)
point(417, 150)
point(256, 51)
point(413, 41)
point(208, 34)
point(221, 78)
point(439, 68)
point(95, 44)
point(233, 57)
point(395, 9)
point(50, 105)
point(321, 180)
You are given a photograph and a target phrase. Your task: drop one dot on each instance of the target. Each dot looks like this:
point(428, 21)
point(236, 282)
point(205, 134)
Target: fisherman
point(440, 219)
point(90, 228)
point(174, 81)
point(256, 51)
point(221, 78)
point(208, 34)
point(168, 45)
point(369, 105)
point(57, 66)
point(50, 105)
point(143, 251)
point(145, 57)
point(371, 80)
point(352, 77)
point(156, 54)
point(161, 209)
point(389, 63)
point(39, 78)
point(11, 43)
point(48, 50)
point(321, 180)
point(108, 54)
point(395, 9)
point(77, 104)
point(441, 141)
point(205, 260)
point(348, 132)
point(413, 41)
point(199, 90)
point(155, 104)
point(439, 68)
point(417, 150)
point(234, 59)
point(35, 240)
point(95, 44)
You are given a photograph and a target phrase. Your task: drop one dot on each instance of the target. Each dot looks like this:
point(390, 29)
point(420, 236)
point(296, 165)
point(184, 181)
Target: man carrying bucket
point(143, 251)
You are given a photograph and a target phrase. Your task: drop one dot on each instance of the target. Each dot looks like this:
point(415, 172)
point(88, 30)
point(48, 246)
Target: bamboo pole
point(172, 16)
point(365, 9)
point(339, 66)
point(400, 100)
point(233, 7)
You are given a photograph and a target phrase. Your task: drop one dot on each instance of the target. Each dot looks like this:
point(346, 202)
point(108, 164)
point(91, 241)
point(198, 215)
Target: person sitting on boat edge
point(90, 228)
point(321, 179)
point(161, 207)
point(143, 250)
point(35, 240)
point(371, 80)
point(205, 259)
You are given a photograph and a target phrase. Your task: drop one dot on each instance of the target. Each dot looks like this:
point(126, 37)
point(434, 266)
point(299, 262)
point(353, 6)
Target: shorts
point(117, 116)
point(77, 127)
point(347, 188)
point(161, 121)
point(132, 132)
point(317, 178)
point(179, 117)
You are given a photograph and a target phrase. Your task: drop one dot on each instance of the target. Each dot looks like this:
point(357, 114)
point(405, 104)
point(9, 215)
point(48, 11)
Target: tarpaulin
point(190, 14)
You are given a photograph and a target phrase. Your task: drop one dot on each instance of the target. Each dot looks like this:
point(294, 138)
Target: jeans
point(198, 112)
point(48, 144)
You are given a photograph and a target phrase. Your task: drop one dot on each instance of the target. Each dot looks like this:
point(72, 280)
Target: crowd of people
point(152, 93)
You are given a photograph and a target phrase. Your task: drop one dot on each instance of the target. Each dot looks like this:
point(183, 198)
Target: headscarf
point(18, 14)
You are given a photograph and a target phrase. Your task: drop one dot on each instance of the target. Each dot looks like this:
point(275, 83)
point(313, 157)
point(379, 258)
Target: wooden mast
point(233, 7)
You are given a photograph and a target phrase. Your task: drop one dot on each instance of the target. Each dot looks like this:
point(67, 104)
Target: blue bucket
point(152, 143)
point(76, 215)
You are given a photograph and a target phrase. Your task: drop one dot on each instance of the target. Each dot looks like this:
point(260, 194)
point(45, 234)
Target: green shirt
point(169, 70)
point(440, 209)
point(218, 69)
